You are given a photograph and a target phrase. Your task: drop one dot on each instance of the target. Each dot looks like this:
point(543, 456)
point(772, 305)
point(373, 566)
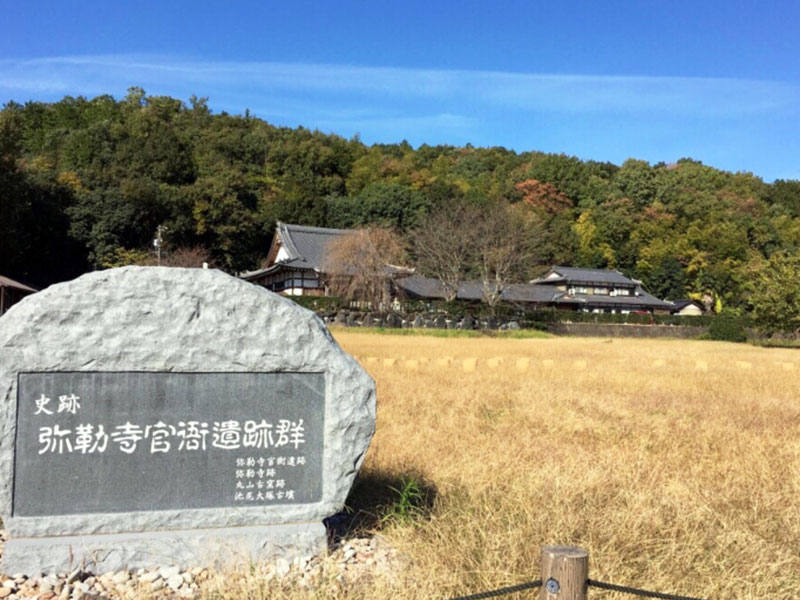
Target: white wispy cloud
point(739, 124)
point(356, 92)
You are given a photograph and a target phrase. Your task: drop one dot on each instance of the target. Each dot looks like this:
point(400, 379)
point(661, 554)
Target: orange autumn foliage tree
point(546, 196)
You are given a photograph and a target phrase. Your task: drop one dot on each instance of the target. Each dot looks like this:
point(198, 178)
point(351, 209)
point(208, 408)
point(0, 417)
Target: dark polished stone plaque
point(107, 442)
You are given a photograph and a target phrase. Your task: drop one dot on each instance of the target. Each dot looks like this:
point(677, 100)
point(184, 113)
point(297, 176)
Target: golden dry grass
point(675, 463)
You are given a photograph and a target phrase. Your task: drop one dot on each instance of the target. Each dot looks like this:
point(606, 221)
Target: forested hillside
point(85, 183)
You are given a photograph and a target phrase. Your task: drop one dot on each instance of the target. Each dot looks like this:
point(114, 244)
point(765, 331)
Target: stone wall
point(418, 321)
point(624, 330)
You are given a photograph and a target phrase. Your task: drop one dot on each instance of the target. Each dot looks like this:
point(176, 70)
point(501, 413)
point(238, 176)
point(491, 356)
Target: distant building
point(587, 290)
point(12, 292)
point(296, 261)
point(599, 290)
point(688, 308)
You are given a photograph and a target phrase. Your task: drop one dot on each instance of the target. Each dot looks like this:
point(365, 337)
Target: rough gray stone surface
point(180, 549)
point(181, 320)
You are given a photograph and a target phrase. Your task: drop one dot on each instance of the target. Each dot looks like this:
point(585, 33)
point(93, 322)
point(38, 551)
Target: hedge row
point(526, 317)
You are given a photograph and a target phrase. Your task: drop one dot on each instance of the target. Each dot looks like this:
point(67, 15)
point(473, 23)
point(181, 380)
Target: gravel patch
point(349, 562)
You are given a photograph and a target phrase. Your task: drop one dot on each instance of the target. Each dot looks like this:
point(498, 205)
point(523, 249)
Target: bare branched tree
point(494, 243)
point(507, 245)
point(360, 265)
point(182, 256)
point(191, 256)
point(445, 245)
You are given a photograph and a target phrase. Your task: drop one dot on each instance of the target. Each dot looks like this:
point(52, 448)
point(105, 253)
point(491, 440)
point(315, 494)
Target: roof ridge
point(587, 269)
point(313, 229)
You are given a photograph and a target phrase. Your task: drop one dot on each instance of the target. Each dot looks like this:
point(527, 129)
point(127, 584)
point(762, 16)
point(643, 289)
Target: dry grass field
point(675, 463)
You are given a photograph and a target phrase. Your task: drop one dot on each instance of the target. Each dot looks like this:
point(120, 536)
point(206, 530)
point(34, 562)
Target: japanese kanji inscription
point(148, 441)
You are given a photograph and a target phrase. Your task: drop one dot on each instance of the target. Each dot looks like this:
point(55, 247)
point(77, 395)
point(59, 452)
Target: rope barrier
point(502, 591)
point(637, 592)
point(590, 582)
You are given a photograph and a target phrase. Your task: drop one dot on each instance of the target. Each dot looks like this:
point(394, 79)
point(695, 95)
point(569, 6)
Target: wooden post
point(565, 570)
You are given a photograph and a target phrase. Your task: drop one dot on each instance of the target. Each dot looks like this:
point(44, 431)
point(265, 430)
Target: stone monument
point(172, 417)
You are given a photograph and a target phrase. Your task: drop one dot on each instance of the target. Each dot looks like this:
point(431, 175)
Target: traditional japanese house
point(587, 290)
point(599, 290)
point(296, 259)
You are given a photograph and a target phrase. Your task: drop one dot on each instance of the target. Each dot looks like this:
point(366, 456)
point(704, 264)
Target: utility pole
point(159, 241)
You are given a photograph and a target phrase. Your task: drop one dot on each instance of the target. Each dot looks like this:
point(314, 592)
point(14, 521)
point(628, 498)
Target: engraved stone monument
point(156, 417)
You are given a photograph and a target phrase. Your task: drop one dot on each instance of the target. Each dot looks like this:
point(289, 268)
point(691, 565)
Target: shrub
point(319, 303)
point(727, 327)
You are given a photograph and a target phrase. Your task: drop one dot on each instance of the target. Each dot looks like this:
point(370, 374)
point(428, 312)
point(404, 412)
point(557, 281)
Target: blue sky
point(715, 81)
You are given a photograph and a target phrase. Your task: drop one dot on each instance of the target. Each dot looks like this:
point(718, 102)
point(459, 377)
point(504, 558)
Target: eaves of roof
point(294, 263)
point(601, 300)
point(10, 283)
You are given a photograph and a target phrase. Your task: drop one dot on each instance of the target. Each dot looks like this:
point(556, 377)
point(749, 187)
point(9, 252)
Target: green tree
point(786, 194)
point(775, 295)
point(667, 279)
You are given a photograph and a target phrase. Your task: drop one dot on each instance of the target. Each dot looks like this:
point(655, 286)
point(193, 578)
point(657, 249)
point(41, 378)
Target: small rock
point(121, 577)
point(167, 572)
point(5, 592)
point(47, 596)
point(175, 582)
point(150, 576)
point(10, 584)
point(157, 584)
point(187, 577)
